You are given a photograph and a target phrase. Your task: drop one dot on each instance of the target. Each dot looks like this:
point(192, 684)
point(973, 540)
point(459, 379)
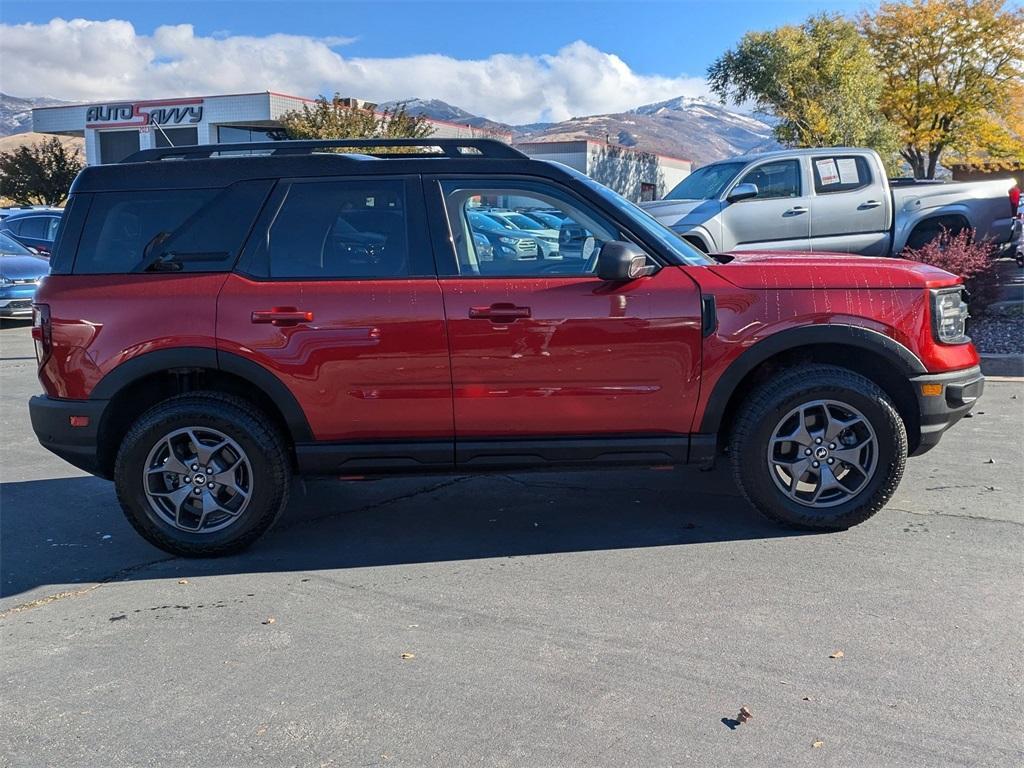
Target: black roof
point(207, 165)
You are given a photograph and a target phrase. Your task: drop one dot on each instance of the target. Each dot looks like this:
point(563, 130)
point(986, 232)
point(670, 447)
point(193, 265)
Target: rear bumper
point(959, 392)
point(51, 421)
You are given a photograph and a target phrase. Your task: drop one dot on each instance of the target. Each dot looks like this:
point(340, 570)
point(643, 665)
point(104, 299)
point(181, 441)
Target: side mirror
point(619, 262)
point(742, 192)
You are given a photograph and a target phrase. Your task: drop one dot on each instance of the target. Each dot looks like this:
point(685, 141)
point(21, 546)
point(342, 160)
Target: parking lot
point(613, 618)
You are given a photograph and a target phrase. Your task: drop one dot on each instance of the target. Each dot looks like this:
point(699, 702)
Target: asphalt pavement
point(549, 619)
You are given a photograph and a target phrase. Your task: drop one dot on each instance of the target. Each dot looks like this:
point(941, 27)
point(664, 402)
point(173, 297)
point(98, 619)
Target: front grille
point(526, 247)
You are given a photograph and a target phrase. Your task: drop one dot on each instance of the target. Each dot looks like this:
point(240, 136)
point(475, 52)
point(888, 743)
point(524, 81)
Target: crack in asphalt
point(957, 515)
point(57, 596)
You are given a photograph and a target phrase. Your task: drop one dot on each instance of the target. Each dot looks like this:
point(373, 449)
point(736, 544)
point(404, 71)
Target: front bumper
point(957, 394)
point(51, 421)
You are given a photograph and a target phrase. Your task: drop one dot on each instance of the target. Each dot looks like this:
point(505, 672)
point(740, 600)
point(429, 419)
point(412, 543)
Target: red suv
point(219, 319)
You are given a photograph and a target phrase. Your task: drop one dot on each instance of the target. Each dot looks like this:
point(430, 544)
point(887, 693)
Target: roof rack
point(451, 148)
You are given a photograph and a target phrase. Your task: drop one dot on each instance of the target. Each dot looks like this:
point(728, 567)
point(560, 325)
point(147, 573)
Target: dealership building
point(113, 130)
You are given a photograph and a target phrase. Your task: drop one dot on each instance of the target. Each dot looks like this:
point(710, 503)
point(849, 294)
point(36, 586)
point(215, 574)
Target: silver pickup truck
point(834, 199)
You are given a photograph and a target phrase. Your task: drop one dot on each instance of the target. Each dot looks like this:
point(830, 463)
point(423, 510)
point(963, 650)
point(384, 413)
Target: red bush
point(954, 252)
point(957, 252)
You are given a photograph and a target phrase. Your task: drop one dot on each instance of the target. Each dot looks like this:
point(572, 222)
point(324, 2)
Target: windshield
point(705, 183)
point(12, 247)
point(650, 225)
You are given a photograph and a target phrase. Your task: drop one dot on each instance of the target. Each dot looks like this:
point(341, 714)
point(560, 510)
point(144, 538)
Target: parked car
point(20, 273)
point(836, 199)
point(9, 209)
point(36, 227)
point(549, 220)
point(506, 243)
point(546, 237)
point(201, 339)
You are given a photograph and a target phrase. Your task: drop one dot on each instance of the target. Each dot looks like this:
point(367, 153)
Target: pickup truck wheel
point(201, 475)
point(819, 447)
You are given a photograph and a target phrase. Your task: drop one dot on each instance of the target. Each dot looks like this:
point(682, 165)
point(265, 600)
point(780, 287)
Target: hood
point(23, 267)
point(672, 212)
point(782, 269)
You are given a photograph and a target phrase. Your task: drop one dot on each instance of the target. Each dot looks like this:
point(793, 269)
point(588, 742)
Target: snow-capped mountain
point(442, 110)
point(686, 127)
point(692, 128)
point(16, 113)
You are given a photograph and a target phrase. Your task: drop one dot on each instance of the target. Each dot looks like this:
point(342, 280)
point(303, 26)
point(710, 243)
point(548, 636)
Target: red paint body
point(403, 359)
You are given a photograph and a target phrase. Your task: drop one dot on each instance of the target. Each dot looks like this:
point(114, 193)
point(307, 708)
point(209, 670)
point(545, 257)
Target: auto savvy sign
point(143, 113)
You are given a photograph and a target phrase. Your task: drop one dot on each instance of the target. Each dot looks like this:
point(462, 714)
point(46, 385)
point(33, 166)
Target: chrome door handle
point(796, 210)
point(868, 204)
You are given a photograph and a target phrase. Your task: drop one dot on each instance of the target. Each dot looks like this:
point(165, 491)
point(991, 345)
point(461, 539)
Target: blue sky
point(648, 47)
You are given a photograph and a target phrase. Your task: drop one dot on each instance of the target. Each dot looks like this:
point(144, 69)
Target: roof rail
point(452, 148)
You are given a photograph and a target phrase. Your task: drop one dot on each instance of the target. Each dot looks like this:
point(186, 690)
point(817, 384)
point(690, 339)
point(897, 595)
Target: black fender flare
point(867, 339)
point(206, 357)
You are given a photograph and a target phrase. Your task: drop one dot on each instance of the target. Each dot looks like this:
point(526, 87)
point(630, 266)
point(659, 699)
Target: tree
point(819, 79)
point(39, 174)
point(953, 76)
point(337, 118)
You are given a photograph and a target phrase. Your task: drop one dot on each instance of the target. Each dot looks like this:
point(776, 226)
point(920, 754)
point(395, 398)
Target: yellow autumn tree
point(953, 77)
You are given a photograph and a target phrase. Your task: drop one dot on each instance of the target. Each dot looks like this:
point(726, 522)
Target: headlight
point(5, 280)
point(949, 316)
point(507, 240)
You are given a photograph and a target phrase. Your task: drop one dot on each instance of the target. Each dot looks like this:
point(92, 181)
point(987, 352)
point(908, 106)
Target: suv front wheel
point(202, 475)
point(819, 447)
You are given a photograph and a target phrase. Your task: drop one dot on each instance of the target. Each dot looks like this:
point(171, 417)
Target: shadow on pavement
point(63, 531)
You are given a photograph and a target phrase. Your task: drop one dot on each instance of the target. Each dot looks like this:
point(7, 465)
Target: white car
point(547, 238)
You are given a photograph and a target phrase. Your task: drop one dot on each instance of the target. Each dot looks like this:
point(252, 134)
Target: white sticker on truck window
point(848, 171)
point(827, 171)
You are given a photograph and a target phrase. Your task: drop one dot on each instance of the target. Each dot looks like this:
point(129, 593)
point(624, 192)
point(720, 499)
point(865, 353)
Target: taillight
point(1014, 200)
point(42, 332)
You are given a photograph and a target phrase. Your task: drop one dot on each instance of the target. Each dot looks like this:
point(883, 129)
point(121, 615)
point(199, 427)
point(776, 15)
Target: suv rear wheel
point(202, 474)
point(819, 447)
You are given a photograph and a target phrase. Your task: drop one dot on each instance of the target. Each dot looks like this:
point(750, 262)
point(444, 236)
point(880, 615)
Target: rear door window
point(840, 174)
point(178, 230)
point(345, 229)
point(34, 227)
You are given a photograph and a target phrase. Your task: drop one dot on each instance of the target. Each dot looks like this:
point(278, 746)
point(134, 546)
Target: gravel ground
point(998, 335)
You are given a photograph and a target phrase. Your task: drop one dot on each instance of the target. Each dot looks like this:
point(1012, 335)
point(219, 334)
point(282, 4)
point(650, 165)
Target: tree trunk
point(933, 161)
point(913, 156)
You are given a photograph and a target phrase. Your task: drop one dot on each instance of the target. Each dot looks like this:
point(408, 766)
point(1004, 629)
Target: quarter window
point(522, 230)
point(341, 229)
point(775, 180)
point(187, 230)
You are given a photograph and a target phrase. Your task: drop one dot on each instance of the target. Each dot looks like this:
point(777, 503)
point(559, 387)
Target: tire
point(236, 495)
point(867, 458)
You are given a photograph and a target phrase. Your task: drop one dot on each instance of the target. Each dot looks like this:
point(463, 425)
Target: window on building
point(233, 134)
point(341, 229)
point(491, 239)
point(187, 230)
point(774, 180)
point(176, 137)
point(115, 146)
point(648, 191)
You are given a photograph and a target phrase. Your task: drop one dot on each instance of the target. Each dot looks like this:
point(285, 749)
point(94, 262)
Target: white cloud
point(88, 60)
